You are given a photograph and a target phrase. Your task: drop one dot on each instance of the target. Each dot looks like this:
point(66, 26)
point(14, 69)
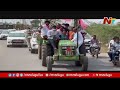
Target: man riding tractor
point(42, 36)
point(68, 50)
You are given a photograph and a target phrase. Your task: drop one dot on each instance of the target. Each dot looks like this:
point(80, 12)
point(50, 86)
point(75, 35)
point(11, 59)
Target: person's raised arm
point(74, 37)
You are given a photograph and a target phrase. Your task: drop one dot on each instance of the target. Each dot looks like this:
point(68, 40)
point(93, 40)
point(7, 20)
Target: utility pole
point(24, 23)
point(75, 22)
point(76, 25)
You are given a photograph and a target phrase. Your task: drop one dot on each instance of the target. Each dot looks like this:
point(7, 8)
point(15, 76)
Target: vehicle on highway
point(66, 52)
point(4, 34)
point(116, 57)
point(1, 31)
point(16, 38)
point(94, 50)
point(10, 30)
point(34, 44)
point(87, 41)
point(25, 30)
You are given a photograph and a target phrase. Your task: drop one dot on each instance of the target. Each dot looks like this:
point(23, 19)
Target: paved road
point(20, 59)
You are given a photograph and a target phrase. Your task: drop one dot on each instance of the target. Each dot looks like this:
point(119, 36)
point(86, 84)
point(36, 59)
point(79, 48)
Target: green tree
point(20, 26)
point(104, 32)
point(17, 26)
point(35, 23)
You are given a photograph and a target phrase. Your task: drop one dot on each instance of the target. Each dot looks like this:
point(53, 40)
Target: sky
point(28, 20)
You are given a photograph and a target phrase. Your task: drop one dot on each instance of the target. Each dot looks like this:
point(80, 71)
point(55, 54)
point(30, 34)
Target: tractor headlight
point(64, 47)
point(72, 47)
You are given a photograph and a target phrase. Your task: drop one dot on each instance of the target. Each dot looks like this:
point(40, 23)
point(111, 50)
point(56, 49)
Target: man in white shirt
point(111, 42)
point(114, 44)
point(45, 29)
point(59, 29)
point(80, 39)
point(53, 33)
point(53, 36)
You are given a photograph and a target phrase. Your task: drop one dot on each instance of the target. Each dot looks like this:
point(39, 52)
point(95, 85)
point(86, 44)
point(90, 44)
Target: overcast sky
point(28, 20)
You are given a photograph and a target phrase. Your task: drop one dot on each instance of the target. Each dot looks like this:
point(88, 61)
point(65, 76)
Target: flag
point(82, 24)
point(68, 20)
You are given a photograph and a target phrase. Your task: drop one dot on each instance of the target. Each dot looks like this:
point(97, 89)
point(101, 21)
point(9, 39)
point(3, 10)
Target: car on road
point(1, 31)
point(11, 30)
point(87, 41)
point(4, 34)
point(34, 44)
point(16, 38)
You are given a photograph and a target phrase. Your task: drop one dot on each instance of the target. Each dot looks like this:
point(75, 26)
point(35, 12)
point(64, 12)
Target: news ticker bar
point(59, 75)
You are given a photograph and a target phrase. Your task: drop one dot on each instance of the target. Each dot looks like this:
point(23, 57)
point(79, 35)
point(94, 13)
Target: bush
point(104, 32)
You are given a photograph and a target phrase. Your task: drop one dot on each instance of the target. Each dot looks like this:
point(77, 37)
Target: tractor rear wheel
point(44, 55)
point(40, 52)
point(49, 63)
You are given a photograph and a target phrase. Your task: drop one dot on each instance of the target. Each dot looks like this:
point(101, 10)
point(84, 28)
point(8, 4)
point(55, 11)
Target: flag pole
point(76, 25)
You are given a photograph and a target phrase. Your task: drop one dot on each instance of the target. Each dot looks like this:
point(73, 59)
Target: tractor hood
point(66, 43)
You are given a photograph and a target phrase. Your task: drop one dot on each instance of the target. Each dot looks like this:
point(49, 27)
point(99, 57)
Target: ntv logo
point(109, 21)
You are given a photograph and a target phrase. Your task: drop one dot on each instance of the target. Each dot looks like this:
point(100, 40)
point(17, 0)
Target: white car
point(33, 43)
point(10, 30)
point(87, 41)
point(4, 34)
point(16, 38)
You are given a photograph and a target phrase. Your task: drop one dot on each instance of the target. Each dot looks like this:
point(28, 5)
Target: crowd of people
point(54, 33)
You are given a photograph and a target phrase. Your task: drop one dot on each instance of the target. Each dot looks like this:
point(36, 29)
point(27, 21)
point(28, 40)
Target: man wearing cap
point(94, 41)
point(45, 29)
point(52, 37)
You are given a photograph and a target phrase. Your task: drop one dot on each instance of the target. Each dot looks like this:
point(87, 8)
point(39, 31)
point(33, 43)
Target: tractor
point(66, 52)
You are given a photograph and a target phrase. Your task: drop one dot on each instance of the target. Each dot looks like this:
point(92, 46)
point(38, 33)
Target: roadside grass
point(104, 49)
